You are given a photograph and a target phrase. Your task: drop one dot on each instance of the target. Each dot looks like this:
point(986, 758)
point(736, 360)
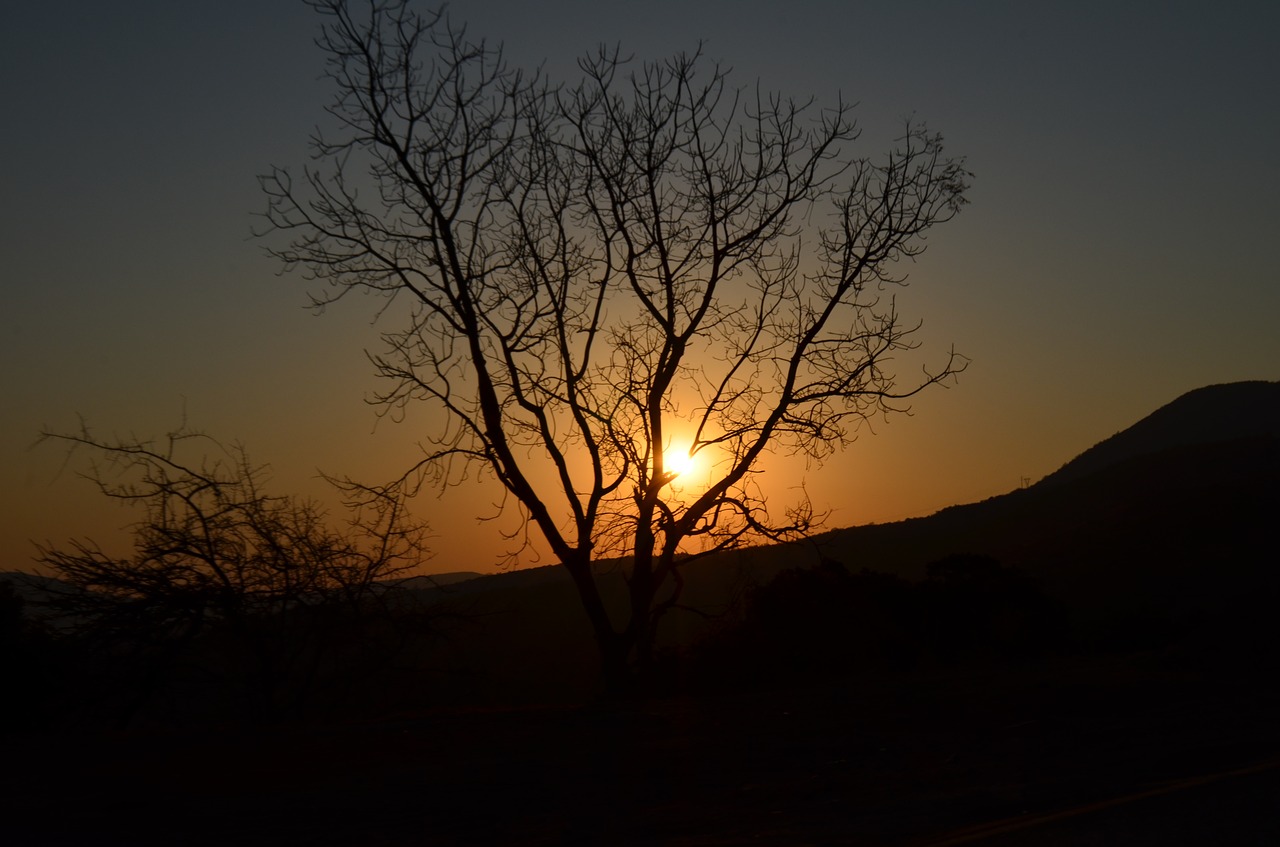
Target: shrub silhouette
point(817, 622)
point(234, 602)
point(974, 608)
point(31, 666)
point(810, 624)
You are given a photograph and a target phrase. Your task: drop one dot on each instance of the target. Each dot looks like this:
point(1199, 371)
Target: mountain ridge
point(1170, 525)
point(1243, 416)
point(1212, 413)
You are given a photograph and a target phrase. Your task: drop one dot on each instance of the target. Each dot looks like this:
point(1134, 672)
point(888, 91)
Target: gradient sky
point(1119, 249)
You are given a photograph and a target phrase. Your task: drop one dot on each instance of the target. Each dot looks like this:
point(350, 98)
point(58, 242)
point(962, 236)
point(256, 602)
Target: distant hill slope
point(1197, 481)
point(1170, 520)
point(1204, 503)
point(30, 587)
point(1206, 415)
point(1154, 544)
point(437, 580)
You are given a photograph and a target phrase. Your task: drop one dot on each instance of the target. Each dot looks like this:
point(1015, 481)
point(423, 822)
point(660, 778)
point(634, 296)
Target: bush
point(811, 624)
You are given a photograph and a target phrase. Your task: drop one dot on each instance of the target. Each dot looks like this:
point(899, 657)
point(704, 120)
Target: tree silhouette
point(578, 275)
point(255, 589)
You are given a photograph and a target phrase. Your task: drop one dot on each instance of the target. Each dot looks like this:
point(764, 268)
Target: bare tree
point(248, 585)
point(580, 274)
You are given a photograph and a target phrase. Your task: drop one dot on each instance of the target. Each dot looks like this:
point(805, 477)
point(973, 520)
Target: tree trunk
point(617, 674)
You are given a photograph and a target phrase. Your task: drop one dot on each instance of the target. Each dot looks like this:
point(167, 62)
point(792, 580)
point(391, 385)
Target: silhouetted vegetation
point(975, 609)
point(30, 661)
point(1164, 555)
point(825, 623)
point(589, 274)
point(235, 603)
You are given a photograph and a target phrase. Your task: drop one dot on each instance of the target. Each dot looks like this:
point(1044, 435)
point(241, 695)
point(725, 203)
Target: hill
point(1208, 415)
point(1186, 528)
point(1168, 520)
point(1155, 533)
point(1165, 526)
point(1160, 527)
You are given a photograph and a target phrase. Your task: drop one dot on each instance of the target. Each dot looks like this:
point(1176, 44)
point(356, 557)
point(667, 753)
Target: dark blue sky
point(1118, 250)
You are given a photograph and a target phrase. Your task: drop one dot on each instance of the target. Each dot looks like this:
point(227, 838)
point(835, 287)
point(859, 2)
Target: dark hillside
point(844, 723)
point(1161, 544)
point(1203, 416)
point(1156, 540)
point(1182, 532)
point(1165, 527)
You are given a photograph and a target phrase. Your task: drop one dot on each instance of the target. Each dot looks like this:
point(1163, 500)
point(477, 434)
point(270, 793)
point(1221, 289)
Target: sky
point(1118, 250)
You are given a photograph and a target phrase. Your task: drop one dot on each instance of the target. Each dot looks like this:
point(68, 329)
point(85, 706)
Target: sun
point(677, 461)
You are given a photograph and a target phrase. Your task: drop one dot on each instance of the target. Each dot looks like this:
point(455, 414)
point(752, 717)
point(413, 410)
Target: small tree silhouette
point(252, 587)
point(810, 624)
point(977, 608)
point(580, 275)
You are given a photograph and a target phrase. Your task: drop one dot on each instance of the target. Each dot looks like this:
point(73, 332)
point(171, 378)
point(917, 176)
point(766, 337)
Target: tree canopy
point(588, 277)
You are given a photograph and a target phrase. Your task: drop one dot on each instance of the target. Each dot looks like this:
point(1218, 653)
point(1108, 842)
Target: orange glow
point(677, 460)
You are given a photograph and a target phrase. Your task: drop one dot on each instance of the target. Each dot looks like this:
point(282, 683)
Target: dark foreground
point(1134, 751)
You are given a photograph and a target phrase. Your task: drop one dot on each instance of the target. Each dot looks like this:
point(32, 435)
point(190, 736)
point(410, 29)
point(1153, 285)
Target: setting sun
point(677, 460)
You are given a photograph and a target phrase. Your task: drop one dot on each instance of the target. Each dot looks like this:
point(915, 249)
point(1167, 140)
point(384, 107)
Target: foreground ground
point(1134, 751)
